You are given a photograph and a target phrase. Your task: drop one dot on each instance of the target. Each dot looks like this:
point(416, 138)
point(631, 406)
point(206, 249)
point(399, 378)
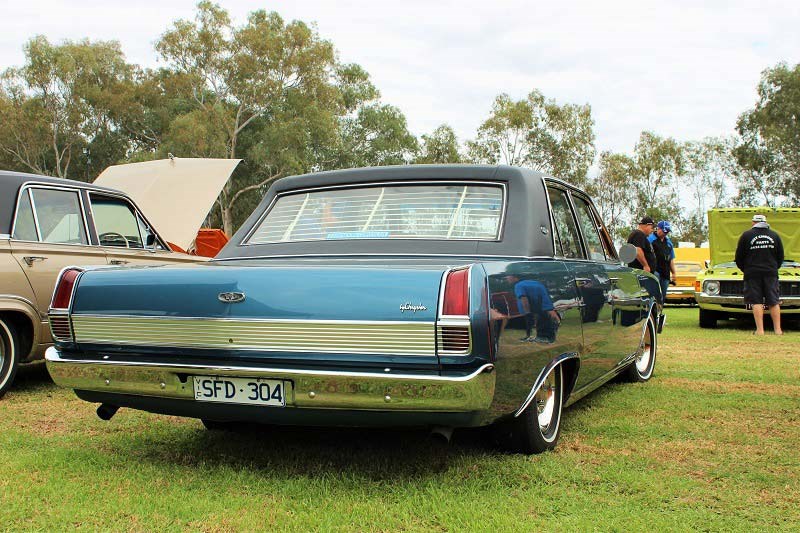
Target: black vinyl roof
point(10, 182)
point(526, 230)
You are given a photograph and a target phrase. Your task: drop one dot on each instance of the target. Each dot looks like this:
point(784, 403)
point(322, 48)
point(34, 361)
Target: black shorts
point(762, 290)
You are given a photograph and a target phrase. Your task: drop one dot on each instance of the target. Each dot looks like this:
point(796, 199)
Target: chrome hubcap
point(643, 360)
point(546, 402)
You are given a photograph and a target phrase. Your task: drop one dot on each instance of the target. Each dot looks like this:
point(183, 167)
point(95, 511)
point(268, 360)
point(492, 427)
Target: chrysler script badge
point(231, 297)
point(408, 306)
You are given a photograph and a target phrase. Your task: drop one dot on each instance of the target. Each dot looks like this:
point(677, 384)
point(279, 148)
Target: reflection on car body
point(440, 296)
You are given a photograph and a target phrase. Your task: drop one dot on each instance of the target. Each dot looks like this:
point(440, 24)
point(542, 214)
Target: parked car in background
point(436, 296)
point(719, 290)
point(683, 290)
point(47, 225)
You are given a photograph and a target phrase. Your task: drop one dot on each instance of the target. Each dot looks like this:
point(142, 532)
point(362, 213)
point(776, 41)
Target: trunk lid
point(286, 312)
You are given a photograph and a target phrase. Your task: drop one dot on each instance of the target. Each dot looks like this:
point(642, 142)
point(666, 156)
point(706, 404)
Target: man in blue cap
point(665, 256)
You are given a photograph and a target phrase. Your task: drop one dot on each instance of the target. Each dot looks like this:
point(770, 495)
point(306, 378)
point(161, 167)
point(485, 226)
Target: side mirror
point(627, 253)
point(150, 240)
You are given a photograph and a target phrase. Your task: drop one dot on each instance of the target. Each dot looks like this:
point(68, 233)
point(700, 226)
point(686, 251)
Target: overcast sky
point(683, 68)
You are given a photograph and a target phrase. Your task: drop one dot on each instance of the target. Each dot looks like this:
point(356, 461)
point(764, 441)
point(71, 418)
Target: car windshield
point(688, 267)
point(436, 211)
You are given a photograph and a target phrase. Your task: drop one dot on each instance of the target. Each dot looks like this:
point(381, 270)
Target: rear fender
point(571, 360)
point(24, 312)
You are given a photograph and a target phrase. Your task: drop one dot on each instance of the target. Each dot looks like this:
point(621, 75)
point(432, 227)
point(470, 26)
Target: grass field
point(712, 442)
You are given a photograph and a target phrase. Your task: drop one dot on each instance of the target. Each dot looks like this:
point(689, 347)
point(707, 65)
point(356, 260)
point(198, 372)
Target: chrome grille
point(380, 338)
point(454, 340)
point(790, 288)
point(59, 327)
point(731, 288)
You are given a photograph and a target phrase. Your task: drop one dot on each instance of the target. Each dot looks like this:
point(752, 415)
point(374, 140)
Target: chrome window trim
point(35, 217)
point(77, 187)
point(27, 187)
point(377, 256)
point(571, 207)
point(136, 212)
point(501, 225)
point(4, 236)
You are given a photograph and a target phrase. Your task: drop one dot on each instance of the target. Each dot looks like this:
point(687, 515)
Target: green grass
point(710, 443)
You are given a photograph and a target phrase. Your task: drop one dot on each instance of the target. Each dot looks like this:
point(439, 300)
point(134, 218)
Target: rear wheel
point(537, 429)
point(642, 367)
point(708, 319)
point(9, 355)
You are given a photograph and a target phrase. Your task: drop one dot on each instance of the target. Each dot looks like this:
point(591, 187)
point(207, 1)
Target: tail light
point(64, 287)
point(60, 326)
point(453, 329)
point(456, 293)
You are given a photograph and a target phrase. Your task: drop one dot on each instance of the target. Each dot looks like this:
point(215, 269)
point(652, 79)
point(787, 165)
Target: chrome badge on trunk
point(231, 297)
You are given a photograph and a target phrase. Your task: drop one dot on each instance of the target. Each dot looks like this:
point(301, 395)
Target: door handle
point(613, 280)
point(31, 259)
point(119, 262)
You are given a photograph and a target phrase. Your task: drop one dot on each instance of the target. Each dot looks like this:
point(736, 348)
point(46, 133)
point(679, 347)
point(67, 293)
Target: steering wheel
point(113, 236)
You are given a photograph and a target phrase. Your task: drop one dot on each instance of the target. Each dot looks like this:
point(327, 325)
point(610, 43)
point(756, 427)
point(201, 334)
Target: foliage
point(770, 134)
point(440, 146)
point(612, 193)
point(64, 111)
point(537, 132)
point(267, 76)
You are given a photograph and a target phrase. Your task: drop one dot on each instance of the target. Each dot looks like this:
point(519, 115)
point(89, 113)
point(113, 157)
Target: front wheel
point(708, 319)
point(642, 367)
point(537, 429)
point(9, 355)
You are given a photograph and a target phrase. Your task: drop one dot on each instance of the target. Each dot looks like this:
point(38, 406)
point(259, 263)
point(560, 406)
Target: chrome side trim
point(377, 338)
point(332, 389)
point(542, 376)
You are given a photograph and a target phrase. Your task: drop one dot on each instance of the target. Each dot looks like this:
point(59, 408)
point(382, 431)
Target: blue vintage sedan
point(437, 296)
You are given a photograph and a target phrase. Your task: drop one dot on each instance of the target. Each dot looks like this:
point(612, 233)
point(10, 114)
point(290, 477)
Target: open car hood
point(725, 226)
point(174, 194)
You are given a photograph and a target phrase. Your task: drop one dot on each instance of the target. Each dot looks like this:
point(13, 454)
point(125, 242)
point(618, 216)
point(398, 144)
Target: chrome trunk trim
point(334, 336)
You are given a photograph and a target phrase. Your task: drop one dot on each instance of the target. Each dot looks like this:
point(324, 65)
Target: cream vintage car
point(49, 224)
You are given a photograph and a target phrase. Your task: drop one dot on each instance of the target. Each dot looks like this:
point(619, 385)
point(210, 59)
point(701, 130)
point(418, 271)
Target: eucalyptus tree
point(265, 76)
point(540, 133)
point(62, 110)
point(612, 191)
point(769, 144)
point(440, 146)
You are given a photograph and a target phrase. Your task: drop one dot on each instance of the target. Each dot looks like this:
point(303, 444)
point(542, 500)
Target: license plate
point(252, 391)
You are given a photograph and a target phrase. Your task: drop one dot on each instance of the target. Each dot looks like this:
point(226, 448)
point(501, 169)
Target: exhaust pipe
point(106, 411)
point(442, 433)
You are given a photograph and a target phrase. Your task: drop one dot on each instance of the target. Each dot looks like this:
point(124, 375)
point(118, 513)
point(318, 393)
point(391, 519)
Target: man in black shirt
point(759, 255)
point(645, 256)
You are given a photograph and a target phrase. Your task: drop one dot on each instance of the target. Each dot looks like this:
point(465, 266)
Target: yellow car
point(719, 289)
point(683, 290)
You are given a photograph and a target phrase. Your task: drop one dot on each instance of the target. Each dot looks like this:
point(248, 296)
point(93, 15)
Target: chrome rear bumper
point(304, 389)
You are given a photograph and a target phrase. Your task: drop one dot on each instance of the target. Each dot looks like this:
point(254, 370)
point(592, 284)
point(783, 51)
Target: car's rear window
point(436, 211)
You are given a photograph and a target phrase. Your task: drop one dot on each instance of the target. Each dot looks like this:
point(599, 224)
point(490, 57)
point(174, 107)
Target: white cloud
point(684, 69)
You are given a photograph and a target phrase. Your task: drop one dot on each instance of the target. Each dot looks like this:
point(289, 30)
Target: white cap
point(759, 218)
